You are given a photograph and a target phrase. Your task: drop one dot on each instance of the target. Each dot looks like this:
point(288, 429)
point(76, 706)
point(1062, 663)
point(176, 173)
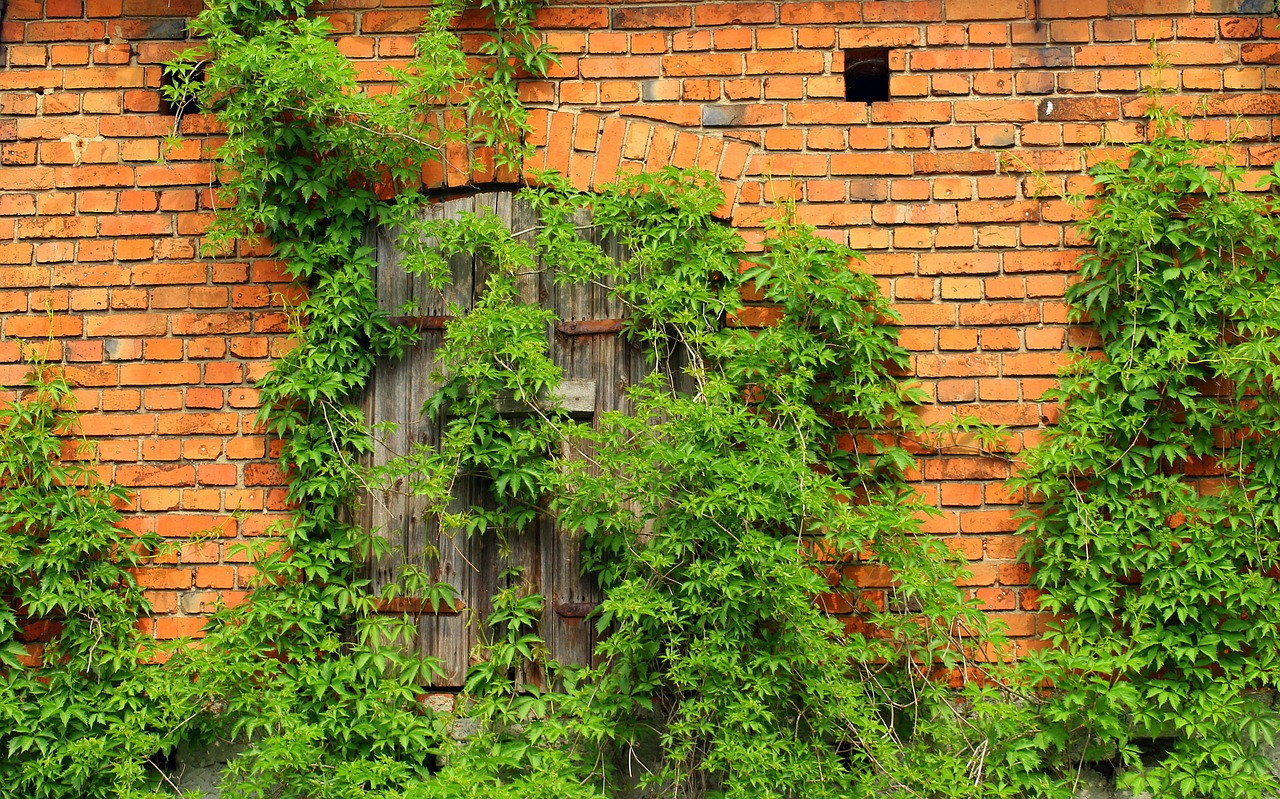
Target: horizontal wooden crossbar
point(581, 327)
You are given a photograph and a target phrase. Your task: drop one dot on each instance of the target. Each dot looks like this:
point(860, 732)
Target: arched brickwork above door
point(592, 149)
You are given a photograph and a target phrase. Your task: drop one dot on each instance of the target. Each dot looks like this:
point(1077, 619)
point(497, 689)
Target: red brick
point(954, 163)
point(1128, 8)
point(996, 598)
point(173, 174)
point(904, 11)
point(956, 365)
point(264, 474)
point(996, 111)
point(854, 38)
point(573, 18)
point(705, 64)
point(158, 374)
point(652, 17)
point(198, 423)
point(629, 67)
point(819, 113)
point(774, 39)
point(799, 63)
point(1012, 313)
point(103, 78)
point(152, 577)
point(215, 577)
point(70, 55)
point(968, 60)
point(966, 263)
point(960, 10)
point(40, 327)
point(392, 21)
point(28, 178)
point(149, 475)
point(734, 13)
point(170, 627)
point(821, 13)
point(1063, 9)
point(66, 31)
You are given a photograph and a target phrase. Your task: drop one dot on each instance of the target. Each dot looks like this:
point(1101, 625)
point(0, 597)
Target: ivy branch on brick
point(298, 131)
point(1159, 533)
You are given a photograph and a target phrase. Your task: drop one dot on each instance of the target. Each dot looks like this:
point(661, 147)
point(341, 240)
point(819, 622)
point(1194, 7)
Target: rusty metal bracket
point(421, 322)
point(417, 606)
point(590, 327)
point(581, 327)
point(575, 610)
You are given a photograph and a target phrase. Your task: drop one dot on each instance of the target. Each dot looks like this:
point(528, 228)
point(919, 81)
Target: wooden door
point(597, 362)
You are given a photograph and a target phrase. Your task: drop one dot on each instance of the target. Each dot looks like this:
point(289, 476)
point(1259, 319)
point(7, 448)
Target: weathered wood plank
point(449, 638)
point(576, 396)
point(386, 509)
point(598, 366)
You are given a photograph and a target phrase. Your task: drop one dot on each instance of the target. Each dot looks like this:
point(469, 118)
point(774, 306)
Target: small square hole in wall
point(169, 78)
point(866, 75)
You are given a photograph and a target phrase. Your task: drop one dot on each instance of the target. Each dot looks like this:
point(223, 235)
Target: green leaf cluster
point(80, 724)
point(756, 472)
point(1159, 531)
point(726, 515)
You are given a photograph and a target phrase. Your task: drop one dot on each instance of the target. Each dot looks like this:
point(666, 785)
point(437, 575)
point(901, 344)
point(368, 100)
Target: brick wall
point(98, 236)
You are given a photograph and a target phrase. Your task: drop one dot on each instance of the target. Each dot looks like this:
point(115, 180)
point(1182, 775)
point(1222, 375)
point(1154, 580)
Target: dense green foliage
point(65, 579)
point(304, 669)
point(713, 517)
point(704, 515)
point(1160, 527)
point(758, 471)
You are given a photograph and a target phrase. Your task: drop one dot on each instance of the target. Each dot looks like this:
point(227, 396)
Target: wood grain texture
point(598, 365)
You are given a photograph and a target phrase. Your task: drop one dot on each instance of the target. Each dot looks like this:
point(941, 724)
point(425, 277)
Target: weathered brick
point(1092, 108)
point(734, 13)
point(161, 342)
point(652, 17)
point(821, 13)
point(961, 10)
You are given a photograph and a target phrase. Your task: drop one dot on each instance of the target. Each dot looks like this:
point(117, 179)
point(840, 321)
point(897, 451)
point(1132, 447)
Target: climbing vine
point(76, 701)
point(303, 669)
point(722, 515)
point(1158, 533)
point(712, 517)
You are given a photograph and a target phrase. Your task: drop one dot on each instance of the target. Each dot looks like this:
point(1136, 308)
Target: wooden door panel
point(587, 348)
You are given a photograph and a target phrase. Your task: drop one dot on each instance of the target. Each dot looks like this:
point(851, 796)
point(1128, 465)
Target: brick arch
point(591, 149)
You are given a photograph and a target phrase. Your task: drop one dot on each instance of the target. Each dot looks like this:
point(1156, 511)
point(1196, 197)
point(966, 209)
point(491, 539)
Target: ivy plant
point(305, 670)
point(724, 517)
point(70, 603)
point(1158, 534)
point(739, 490)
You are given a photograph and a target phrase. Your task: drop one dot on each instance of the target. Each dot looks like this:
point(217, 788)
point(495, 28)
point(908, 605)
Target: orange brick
point(169, 627)
point(215, 577)
point(163, 578)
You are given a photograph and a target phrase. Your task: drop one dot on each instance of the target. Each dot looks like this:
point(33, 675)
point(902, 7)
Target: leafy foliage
point(759, 472)
point(1160, 527)
point(66, 586)
point(308, 670)
point(714, 514)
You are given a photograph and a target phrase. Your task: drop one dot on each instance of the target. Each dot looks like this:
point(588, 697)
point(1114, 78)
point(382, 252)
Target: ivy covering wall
point(713, 518)
point(1157, 535)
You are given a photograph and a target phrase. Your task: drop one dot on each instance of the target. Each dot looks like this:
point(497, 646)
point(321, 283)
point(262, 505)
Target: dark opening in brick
point(3, 4)
point(172, 101)
point(866, 75)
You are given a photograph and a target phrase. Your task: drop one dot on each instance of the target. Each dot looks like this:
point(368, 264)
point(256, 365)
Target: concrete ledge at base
point(200, 769)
